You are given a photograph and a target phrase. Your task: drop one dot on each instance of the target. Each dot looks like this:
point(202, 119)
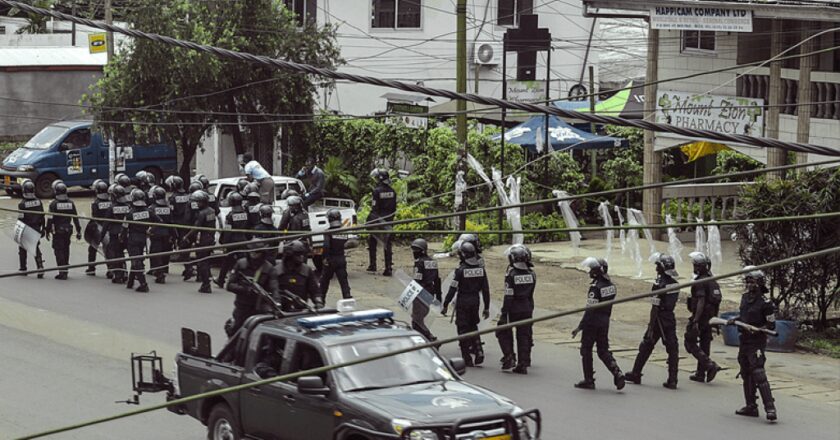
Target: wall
point(21, 120)
point(433, 62)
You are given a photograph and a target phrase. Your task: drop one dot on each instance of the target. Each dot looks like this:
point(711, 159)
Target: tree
point(156, 91)
point(36, 23)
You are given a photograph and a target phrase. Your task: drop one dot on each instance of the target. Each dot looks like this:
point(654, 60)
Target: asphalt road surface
point(64, 350)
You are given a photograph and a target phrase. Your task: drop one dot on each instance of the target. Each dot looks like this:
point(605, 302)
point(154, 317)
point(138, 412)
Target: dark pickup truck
point(416, 395)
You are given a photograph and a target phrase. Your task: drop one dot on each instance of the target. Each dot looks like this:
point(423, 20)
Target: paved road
point(65, 347)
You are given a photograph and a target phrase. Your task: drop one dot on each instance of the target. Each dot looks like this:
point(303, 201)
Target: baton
point(752, 328)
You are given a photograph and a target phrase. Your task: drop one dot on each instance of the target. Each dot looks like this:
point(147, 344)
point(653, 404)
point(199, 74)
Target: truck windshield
point(46, 138)
point(422, 366)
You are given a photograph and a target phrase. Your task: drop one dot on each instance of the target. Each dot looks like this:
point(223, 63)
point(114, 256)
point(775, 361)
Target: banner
point(722, 114)
point(701, 18)
point(26, 237)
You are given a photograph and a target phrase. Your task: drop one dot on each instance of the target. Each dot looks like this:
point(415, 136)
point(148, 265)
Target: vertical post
point(803, 119)
point(593, 154)
point(652, 198)
point(461, 87)
point(109, 38)
point(504, 119)
point(775, 156)
point(548, 148)
point(73, 27)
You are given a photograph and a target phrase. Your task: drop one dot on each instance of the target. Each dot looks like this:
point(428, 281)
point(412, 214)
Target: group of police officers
point(261, 281)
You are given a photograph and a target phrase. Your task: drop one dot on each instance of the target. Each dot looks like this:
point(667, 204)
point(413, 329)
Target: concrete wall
point(433, 62)
point(22, 119)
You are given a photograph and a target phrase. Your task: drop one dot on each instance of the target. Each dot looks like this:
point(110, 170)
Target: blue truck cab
point(73, 152)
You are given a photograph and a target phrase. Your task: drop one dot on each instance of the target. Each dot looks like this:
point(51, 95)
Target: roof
point(50, 56)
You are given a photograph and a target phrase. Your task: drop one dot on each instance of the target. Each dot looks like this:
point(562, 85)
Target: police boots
point(750, 409)
point(588, 382)
point(479, 352)
point(767, 399)
point(618, 376)
point(633, 377)
point(466, 353)
point(508, 361)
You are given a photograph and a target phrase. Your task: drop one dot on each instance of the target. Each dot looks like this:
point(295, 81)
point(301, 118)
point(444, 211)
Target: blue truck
point(73, 152)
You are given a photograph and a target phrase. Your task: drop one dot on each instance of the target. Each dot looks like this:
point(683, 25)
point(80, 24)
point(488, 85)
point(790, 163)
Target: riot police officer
point(241, 187)
point(595, 325)
point(60, 228)
point(179, 201)
point(204, 217)
point(703, 304)
point(518, 305)
point(34, 218)
point(662, 324)
point(427, 276)
point(141, 182)
point(100, 208)
point(252, 205)
point(296, 277)
point(124, 181)
point(383, 208)
point(253, 266)
point(760, 313)
point(286, 216)
point(474, 240)
point(266, 229)
point(211, 198)
point(470, 283)
point(189, 241)
point(137, 234)
point(162, 238)
point(299, 220)
point(236, 221)
point(335, 262)
point(116, 246)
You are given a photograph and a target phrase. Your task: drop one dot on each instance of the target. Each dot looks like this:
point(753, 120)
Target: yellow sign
point(96, 43)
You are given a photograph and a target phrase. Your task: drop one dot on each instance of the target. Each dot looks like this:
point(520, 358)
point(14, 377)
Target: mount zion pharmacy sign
point(723, 114)
point(701, 18)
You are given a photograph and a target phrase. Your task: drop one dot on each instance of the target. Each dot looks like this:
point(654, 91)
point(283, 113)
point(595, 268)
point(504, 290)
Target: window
point(269, 356)
point(508, 11)
point(76, 140)
point(279, 188)
point(395, 14)
point(306, 357)
point(2, 30)
point(698, 41)
point(303, 9)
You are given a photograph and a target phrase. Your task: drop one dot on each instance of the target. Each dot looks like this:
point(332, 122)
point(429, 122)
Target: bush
point(471, 226)
point(805, 289)
point(538, 220)
point(731, 161)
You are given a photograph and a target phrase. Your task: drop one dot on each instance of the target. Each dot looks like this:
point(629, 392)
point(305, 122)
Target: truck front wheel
point(43, 185)
point(222, 425)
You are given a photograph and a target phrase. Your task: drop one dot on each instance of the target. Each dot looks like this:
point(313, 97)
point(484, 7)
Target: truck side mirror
point(458, 364)
point(65, 146)
point(312, 386)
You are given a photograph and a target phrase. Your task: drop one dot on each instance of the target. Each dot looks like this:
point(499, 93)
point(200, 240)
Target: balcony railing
point(687, 203)
point(825, 94)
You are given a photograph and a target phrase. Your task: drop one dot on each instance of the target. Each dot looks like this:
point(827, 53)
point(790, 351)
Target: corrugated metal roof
point(50, 56)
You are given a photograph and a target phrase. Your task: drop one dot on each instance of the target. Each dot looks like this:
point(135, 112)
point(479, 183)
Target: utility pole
point(109, 39)
point(461, 87)
point(652, 170)
point(73, 27)
point(803, 117)
point(593, 155)
point(775, 156)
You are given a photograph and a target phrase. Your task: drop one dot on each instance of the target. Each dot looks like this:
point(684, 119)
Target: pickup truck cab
point(317, 212)
point(72, 152)
point(415, 395)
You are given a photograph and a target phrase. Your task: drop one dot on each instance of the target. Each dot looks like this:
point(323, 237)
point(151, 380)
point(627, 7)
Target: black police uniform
point(99, 209)
point(161, 239)
point(116, 244)
point(34, 218)
point(263, 231)
point(252, 211)
point(428, 277)
point(235, 222)
point(595, 327)
point(470, 283)
point(205, 218)
point(335, 264)
point(246, 303)
point(703, 304)
point(300, 222)
point(662, 325)
point(179, 201)
point(189, 241)
point(300, 281)
point(756, 311)
point(384, 205)
point(136, 237)
point(518, 305)
point(62, 230)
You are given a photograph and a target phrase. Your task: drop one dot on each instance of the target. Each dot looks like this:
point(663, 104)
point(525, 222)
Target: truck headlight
point(26, 168)
point(399, 425)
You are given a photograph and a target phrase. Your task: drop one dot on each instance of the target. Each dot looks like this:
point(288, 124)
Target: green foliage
point(826, 343)
point(35, 23)
point(340, 179)
point(807, 288)
point(537, 220)
point(731, 161)
point(470, 226)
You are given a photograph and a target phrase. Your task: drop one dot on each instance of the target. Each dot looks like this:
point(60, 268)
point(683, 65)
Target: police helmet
point(194, 186)
point(138, 197)
point(253, 197)
point(288, 192)
point(420, 245)
point(756, 277)
point(60, 190)
point(28, 189)
point(267, 215)
point(55, 183)
point(234, 200)
point(702, 263)
point(519, 256)
point(256, 249)
point(665, 264)
point(334, 217)
point(294, 252)
point(150, 179)
point(471, 238)
point(205, 182)
point(159, 194)
point(101, 189)
point(295, 204)
point(468, 253)
point(123, 180)
point(381, 176)
point(200, 197)
point(140, 177)
point(241, 184)
point(168, 183)
point(595, 267)
point(177, 183)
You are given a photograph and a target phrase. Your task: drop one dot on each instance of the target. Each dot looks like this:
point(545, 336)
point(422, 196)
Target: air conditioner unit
point(487, 54)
